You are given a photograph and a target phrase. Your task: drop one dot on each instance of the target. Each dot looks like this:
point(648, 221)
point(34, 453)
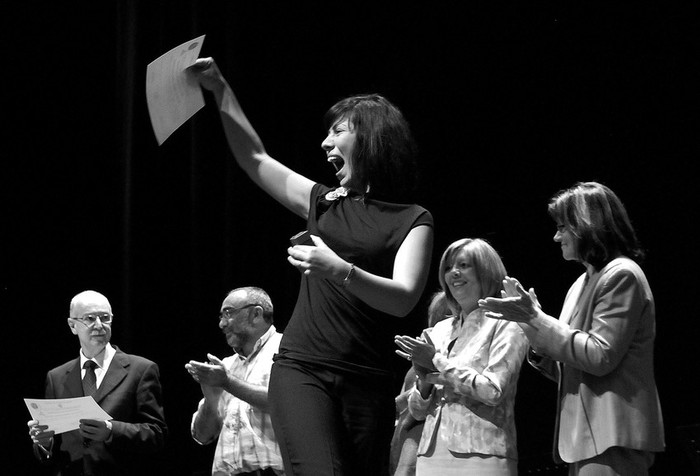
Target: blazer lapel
point(572, 305)
point(116, 372)
point(582, 315)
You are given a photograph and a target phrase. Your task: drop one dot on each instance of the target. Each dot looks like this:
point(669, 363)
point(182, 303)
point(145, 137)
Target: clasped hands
point(515, 304)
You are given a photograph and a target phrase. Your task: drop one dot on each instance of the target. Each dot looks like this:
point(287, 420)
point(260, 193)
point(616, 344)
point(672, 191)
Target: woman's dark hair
point(488, 265)
point(598, 219)
point(385, 153)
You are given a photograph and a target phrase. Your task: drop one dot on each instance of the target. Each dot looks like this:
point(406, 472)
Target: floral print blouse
point(478, 361)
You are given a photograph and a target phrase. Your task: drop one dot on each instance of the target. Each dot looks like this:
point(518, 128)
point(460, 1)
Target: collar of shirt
point(103, 359)
point(259, 344)
point(460, 319)
point(473, 320)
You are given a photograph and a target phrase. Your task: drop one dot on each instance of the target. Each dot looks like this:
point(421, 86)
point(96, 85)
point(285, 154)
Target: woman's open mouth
point(337, 162)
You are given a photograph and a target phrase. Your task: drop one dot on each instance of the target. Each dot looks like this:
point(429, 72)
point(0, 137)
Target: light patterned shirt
point(246, 441)
point(471, 406)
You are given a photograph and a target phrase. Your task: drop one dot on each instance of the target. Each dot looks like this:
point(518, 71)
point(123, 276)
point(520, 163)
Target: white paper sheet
point(172, 96)
point(64, 414)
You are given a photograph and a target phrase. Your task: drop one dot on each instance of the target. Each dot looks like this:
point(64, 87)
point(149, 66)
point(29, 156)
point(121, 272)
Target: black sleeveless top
point(330, 326)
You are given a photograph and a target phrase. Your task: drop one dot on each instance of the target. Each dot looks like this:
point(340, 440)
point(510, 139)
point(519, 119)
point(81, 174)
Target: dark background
point(508, 103)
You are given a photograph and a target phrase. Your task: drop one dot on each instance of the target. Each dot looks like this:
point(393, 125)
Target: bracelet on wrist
point(349, 276)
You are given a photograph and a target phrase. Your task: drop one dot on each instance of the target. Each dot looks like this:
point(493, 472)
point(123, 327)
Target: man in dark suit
point(126, 386)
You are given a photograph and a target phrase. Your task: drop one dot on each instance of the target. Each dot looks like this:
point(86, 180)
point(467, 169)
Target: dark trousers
point(330, 423)
point(84, 467)
point(260, 472)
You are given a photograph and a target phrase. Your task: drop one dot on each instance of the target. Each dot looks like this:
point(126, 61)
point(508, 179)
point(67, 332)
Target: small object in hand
point(302, 238)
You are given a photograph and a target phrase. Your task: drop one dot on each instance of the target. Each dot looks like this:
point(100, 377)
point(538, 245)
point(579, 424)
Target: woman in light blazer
point(601, 349)
point(468, 367)
point(407, 432)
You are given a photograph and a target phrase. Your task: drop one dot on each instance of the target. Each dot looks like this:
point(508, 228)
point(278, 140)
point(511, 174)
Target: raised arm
point(286, 186)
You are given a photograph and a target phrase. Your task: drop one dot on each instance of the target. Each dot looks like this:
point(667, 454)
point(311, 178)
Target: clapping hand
point(212, 373)
point(515, 304)
point(420, 351)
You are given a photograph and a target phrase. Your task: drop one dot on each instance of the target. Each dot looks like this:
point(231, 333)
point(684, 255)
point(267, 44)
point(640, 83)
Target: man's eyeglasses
point(228, 312)
point(89, 320)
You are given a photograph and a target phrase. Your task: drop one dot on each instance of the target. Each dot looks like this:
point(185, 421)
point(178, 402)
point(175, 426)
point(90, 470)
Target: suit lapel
point(73, 383)
point(117, 371)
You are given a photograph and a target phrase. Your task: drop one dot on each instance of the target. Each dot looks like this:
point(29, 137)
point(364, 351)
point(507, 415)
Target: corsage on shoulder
point(336, 194)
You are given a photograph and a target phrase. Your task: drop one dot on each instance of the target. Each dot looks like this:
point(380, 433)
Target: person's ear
point(258, 313)
point(71, 324)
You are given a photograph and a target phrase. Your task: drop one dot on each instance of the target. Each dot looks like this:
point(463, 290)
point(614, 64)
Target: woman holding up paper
point(331, 386)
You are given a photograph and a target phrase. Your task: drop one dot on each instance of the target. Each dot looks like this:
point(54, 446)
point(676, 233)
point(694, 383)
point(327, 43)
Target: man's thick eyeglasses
point(89, 320)
point(229, 312)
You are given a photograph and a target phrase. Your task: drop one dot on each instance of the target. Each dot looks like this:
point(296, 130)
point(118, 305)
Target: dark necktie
point(90, 380)
point(89, 389)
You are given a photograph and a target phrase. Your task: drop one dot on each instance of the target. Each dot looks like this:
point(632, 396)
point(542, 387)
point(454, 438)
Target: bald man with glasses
point(126, 386)
point(235, 405)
